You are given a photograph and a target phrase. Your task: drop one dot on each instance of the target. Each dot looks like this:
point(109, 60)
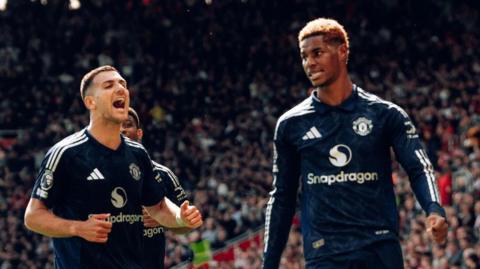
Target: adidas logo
point(95, 175)
point(312, 134)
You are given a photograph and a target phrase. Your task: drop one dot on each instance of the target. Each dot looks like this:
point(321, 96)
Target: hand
point(190, 215)
point(437, 228)
point(148, 221)
point(95, 229)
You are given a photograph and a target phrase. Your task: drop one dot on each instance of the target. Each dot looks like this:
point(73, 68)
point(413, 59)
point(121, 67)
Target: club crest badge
point(362, 126)
point(135, 171)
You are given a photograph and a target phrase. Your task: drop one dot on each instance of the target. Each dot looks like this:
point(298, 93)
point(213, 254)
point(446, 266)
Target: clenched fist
point(437, 228)
point(190, 215)
point(95, 229)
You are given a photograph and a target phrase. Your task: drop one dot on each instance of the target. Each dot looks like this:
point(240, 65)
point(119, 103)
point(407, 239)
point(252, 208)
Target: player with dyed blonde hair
point(332, 32)
point(337, 143)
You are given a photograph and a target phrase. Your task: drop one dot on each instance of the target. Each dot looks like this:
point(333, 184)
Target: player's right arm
point(281, 205)
point(48, 188)
point(40, 219)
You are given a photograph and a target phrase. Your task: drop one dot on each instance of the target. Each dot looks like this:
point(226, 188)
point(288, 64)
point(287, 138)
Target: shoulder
point(160, 166)
point(303, 108)
point(139, 151)
point(163, 169)
point(135, 146)
point(68, 144)
point(379, 103)
point(70, 141)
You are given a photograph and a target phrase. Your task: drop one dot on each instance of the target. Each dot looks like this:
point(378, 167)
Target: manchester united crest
point(135, 171)
point(362, 126)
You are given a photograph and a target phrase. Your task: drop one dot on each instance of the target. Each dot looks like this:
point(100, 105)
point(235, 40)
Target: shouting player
point(91, 186)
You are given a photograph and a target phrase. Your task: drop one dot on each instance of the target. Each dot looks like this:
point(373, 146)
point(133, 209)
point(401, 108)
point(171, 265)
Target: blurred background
point(209, 79)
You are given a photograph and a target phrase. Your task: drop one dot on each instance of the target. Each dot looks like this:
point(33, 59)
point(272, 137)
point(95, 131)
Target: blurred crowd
point(209, 80)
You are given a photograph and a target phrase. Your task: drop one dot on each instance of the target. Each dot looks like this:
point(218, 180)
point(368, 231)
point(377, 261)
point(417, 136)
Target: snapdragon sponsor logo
point(119, 197)
point(358, 178)
point(151, 232)
point(340, 155)
point(128, 218)
point(124, 218)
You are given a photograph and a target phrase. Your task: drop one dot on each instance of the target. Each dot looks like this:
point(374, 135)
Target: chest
point(339, 135)
point(112, 180)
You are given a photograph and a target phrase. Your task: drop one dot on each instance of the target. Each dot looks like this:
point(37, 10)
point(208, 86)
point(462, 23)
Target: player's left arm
point(174, 192)
point(181, 230)
point(170, 215)
point(163, 210)
point(413, 158)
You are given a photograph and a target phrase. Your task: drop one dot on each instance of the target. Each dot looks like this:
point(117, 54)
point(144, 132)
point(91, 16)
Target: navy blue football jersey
point(340, 156)
point(78, 177)
point(155, 237)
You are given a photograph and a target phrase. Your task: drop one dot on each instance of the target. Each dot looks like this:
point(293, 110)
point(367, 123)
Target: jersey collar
point(102, 147)
point(348, 105)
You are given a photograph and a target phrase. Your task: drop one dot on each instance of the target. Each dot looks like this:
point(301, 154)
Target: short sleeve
point(173, 189)
point(153, 191)
point(51, 178)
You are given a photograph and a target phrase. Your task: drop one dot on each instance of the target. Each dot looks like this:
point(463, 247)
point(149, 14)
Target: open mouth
point(119, 104)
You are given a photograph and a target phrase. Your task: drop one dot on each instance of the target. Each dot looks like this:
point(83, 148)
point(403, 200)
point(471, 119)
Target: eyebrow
point(303, 52)
point(121, 81)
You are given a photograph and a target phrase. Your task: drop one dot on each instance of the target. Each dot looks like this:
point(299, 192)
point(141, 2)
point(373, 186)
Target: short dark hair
point(133, 113)
point(88, 78)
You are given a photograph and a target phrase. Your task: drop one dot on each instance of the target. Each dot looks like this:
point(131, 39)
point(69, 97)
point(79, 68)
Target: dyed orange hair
point(329, 28)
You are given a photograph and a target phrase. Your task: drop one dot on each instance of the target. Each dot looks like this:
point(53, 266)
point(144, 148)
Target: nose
point(121, 89)
point(309, 61)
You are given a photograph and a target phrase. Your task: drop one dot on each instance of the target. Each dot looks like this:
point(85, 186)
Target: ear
point(89, 102)
point(343, 52)
point(139, 134)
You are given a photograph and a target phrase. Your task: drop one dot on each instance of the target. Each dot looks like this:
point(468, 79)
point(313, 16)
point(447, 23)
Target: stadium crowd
point(209, 80)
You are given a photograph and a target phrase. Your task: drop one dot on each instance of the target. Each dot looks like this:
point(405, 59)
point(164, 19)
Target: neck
point(334, 94)
point(106, 133)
